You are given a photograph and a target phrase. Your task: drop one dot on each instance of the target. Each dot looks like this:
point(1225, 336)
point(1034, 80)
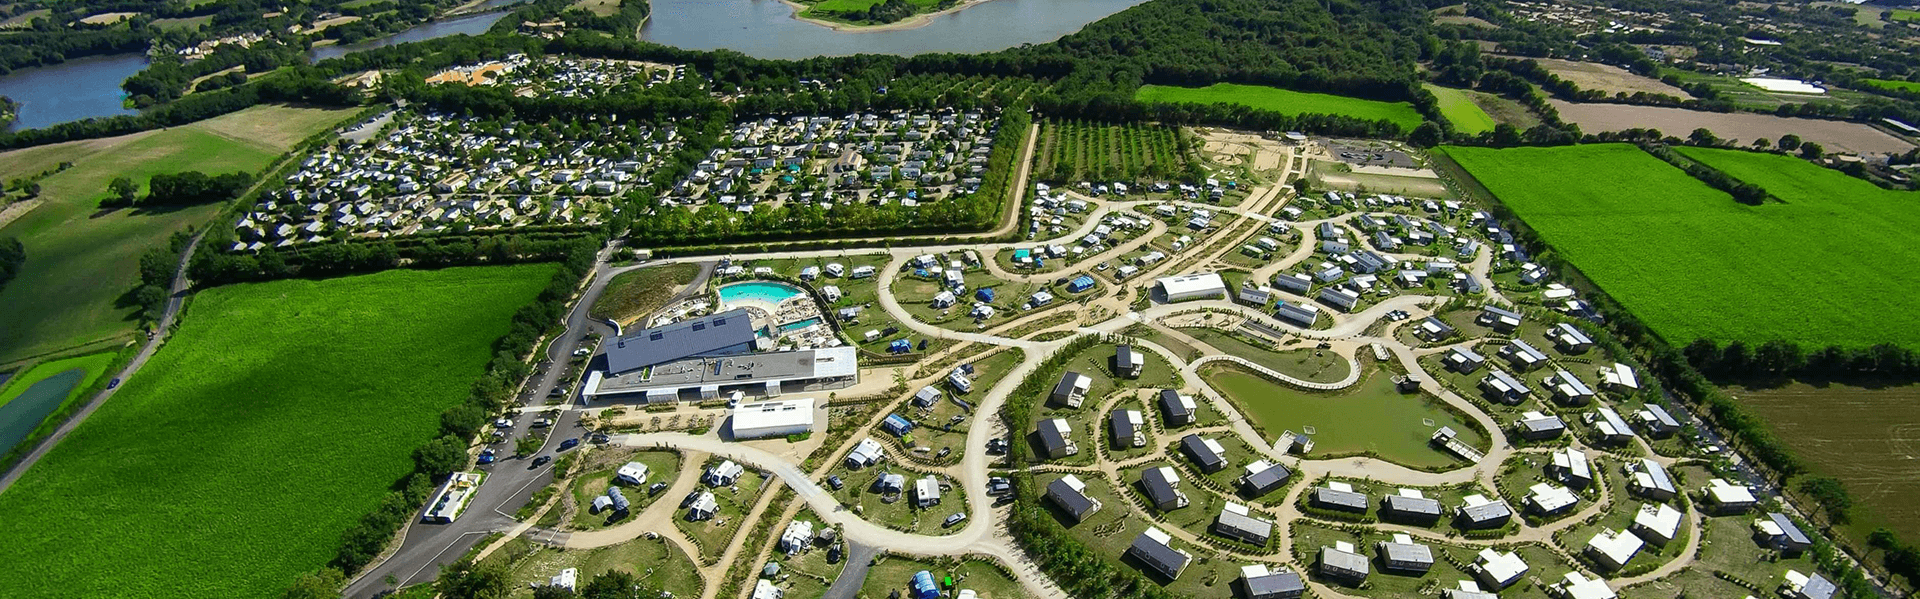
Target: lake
point(768, 29)
point(72, 90)
point(473, 24)
point(20, 416)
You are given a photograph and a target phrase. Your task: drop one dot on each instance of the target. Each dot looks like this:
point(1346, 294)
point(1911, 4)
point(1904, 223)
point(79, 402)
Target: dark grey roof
point(1487, 512)
point(1265, 480)
point(1157, 554)
point(1787, 526)
point(1123, 355)
point(1201, 454)
point(1051, 438)
point(1499, 311)
point(1412, 505)
point(1275, 583)
point(1160, 489)
point(1122, 427)
point(1245, 528)
point(1170, 403)
point(1341, 499)
point(684, 339)
point(1064, 388)
point(1074, 502)
point(1541, 425)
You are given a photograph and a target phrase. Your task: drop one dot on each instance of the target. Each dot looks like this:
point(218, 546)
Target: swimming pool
point(763, 291)
point(797, 325)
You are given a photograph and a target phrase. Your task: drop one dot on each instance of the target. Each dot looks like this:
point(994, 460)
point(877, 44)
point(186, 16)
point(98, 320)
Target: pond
point(769, 29)
point(19, 416)
point(72, 90)
point(1370, 416)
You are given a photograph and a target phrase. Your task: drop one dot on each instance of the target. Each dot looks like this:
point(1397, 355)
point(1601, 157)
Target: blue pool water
point(766, 291)
point(799, 324)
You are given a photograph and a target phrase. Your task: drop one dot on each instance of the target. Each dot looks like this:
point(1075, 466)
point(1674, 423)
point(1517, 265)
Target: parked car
point(569, 444)
point(540, 461)
point(543, 423)
point(486, 456)
point(503, 423)
point(954, 519)
point(835, 482)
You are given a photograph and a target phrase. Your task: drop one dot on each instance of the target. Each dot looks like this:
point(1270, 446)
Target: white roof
point(1617, 545)
point(1581, 587)
point(1661, 519)
point(566, 579)
point(633, 471)
point(1501, 566)
point(1549, 497)
point(1200, 283)
point(1726, 492)
point(771, 414)
point(836, 362)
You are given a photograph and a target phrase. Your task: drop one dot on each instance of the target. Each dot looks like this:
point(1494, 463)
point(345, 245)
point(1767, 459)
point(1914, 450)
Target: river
point(473, 24)
point(768, 29)
point(72, 90)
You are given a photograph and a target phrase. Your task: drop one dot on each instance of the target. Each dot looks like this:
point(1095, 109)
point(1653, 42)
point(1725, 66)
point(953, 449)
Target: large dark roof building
point(729, 332)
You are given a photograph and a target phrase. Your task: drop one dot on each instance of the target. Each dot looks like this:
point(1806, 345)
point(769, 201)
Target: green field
point(277, 415)
point(1891, 84)
point(1458, 107)
point(80, 260)
point(1368, 417)
point(855, 10)
point(1820, 269)
point(631, 296)
point(1902, 14)
point(1283, 101)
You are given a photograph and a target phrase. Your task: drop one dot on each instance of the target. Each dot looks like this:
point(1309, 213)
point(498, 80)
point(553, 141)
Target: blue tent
point(900, 346)
point(1080, 284)
point(923, 586)
point(985, 294)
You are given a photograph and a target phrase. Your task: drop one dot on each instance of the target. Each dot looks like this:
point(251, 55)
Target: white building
point(1614, 548)
point(1190, 287)
point(1498, 570)
point(633, 473)
point(777, 418)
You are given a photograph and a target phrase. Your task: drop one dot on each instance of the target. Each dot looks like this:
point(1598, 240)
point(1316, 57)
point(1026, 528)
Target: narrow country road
point(176, 297)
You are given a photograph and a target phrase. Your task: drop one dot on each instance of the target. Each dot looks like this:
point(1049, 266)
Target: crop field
point(930, 91)
point(1458, 106)
point(1608, 78)
point(1892, 84)
point(1691, 263)
point(1370, 417)
point(1868, 437)
point(1283, 101)
point(80, 259)
point(277, 415)
point(1071, 151)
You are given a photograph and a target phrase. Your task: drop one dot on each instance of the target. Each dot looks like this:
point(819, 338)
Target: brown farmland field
point(1869, 438)
point(1608, 78)
point(1835, 136)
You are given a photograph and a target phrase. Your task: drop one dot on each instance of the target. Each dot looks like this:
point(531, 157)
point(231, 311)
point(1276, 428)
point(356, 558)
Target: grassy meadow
point(1368, 417)
point(80, 259)
point(277, 415)
point(1283, 101)
point(1459, 108)
point(1891, 84)
point(1692, 263)
point(1866, 436)
point(631, 296)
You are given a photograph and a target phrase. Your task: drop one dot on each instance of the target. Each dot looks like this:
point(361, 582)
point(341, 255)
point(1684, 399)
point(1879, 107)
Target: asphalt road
point(859, 558)
point(510, 483)
point(177, 295)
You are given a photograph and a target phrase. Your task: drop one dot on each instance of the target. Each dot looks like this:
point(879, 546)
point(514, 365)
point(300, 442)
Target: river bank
point(913, 22)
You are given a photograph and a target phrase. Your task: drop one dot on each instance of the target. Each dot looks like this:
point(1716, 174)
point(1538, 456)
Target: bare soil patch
point(1744, 127)
point(1608, 78)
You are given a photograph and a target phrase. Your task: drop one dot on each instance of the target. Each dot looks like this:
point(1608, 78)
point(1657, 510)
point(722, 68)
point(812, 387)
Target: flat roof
point(1196, 283)
point(832, 362)
point(676, 341)
point(778, 413)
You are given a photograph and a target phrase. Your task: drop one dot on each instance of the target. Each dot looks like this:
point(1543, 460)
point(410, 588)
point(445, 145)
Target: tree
point(1789, 142)
point(12, 255)
point(324, 583)
point(615, 584)
point(553, 592)
point(1426, 135)
point(1831, 495)
point(466, 580)
point(1703, 137)
point(441, 456)
point(123, 190)
point(1761, 143)
point(1812, 151)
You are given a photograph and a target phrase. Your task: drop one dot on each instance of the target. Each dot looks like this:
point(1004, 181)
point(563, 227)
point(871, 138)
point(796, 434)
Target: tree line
point(12, 256)
point(177, 189)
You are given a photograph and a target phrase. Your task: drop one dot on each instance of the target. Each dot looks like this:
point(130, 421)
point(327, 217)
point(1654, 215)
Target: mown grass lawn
point(1458, 107)
point(1891, 84)
point(79, 259)
point(1692, 263)
point(277, 415)
point(1283, 101)
point(1370, 417)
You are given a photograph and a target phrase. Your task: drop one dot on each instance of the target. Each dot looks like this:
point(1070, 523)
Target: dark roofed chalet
point(728, 332)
